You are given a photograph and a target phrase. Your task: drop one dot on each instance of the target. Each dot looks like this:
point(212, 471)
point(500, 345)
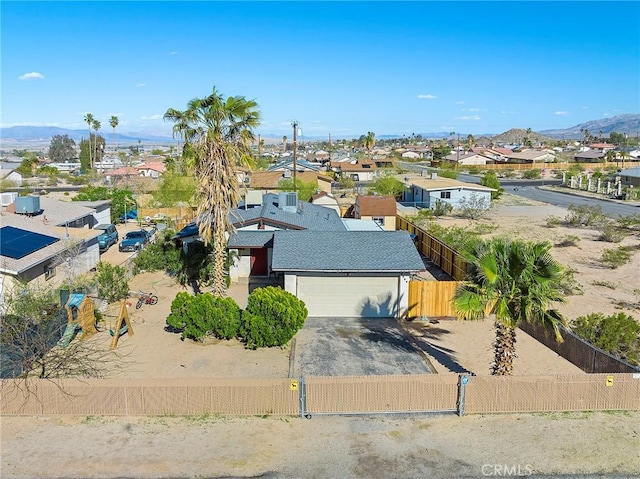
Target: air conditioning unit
point(288, 201)
point(28, 205)
point(7, 198)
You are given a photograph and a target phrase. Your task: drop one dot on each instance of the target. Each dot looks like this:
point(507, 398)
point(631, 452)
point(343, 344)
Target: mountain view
point(628, 123)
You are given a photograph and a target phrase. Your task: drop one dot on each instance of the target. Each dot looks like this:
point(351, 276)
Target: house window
point(49, 271)
point(445, 195)
point(379, 220)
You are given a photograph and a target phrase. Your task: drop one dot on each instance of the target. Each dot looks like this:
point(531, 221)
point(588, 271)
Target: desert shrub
point(509, 173)
point(630, 222)
point(532, 174)
point(204, 315)
point(616, 257)
point(113, 283)
point(441, 208)
point(606, 284)
point(618, 334)
point(474, 207)
point(553, 221)
point(456, 237)
point(569, 240)
point(569, 285)
point(272, 317)
point(585, 215)
point(474, 170)
point(611, 234)
point(162, 255)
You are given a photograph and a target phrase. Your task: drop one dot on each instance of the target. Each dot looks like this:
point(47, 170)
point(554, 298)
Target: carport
point(348, 274)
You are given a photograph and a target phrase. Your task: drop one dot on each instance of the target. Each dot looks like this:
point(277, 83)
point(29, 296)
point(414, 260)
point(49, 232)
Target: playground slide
point(68, 335)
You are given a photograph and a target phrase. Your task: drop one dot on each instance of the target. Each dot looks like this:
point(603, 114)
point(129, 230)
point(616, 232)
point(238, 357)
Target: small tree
point(273, 316)
point(474, 207)
point(491, 180)
point(305, 190)
point(388, 185)
point(113, 283)
point(62, 148)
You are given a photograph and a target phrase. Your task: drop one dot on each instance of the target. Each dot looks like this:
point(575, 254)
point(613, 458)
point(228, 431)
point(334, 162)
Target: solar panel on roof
point(17, 243)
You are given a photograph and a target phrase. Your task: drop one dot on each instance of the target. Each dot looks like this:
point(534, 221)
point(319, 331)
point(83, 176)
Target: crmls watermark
point(506, 470)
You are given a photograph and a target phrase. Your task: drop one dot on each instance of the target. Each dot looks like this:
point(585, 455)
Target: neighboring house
point(349, 273)
point(379, 208)
point(604, 147)
point(589, 156)
point(124, 172)
point(358, 170)
point(11, 175)
point(412, 155)
point(531, 156)
point(51, 246)
point(269, 181)
point(630, 176)
point(466, 159)
point(151, 170)
point(425, 192)
point(327, 200)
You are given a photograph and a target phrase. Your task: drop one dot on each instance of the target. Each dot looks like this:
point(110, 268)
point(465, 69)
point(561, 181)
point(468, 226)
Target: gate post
point(303, 399)
point(463, 380)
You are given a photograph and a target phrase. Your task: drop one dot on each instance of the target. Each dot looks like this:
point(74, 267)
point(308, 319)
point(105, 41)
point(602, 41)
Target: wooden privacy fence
point(321, 395)
point(431, 298)
point(443, 256)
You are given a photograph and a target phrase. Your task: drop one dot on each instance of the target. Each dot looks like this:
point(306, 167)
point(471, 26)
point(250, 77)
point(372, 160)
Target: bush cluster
point(272, 317)
point(618, 334)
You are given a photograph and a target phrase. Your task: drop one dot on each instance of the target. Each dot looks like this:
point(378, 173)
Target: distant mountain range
point(628, 123)
point(45, 133)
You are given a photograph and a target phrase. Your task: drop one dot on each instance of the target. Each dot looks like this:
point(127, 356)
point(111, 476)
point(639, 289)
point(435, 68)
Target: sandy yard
point(344, 447)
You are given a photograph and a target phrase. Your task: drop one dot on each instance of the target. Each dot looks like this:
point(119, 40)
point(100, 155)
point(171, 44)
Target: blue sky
point(338, 68)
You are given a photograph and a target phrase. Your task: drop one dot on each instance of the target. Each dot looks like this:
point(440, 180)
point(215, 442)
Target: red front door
point(259, 262)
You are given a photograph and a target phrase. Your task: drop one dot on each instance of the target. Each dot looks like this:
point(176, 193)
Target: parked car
point(135, 240)
point(108, 237)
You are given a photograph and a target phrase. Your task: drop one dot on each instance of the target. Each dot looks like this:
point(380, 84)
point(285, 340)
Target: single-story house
point(47, 247)
point(589, 156)
point(531, 156)
point(379, 208)
point(153, 169)
point(301, 165)
point(358, 170)
point(11, 175)
point(466, 159)
point(425, 192)
point(630, 176)
point(350, 273)
point(269, 181)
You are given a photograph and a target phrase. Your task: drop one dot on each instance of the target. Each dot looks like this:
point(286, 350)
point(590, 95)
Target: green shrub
point(204, 315)
point(273, 316)
point(451, 174)
point(491, 180)
point(441, 208)
point(474, 170)
point(161, 255)
point(618, 334)
point(113, 283)
point(611, 234)
point(630, 222)
point(553, 221)
point(616, 257)
point(532, 174)
point(585, 215)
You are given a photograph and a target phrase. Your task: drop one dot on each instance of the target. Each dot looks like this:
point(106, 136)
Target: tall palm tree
point(96, 126)
point(284, 144)
point(368, 142)
point(88, 118)
point(219, 130)
point(516, 281)
point(113, 121)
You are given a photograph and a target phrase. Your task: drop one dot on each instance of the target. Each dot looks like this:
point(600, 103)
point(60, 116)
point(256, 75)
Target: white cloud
point(31, 76)
point(508, 112)
point(151, 117)
point(468, 117)
point(459, 102)
point(561, 113)
point(427, 97)
point(472, 109)
point(141, 85)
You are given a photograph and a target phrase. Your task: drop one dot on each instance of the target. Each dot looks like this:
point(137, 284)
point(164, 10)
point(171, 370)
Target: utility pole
point(259, 148)
point(295, 153)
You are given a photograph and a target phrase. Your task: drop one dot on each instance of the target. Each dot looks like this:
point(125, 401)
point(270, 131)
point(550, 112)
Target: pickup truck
point(108, 236)
point(136, 240)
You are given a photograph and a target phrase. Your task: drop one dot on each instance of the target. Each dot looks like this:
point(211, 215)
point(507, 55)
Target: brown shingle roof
point(376, 205)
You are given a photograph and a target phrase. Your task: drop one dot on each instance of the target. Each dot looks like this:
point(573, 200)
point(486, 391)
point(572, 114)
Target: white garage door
point(340, 296)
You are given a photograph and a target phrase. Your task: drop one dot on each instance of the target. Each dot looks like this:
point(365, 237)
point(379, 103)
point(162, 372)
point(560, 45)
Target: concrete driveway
point(355, 347)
